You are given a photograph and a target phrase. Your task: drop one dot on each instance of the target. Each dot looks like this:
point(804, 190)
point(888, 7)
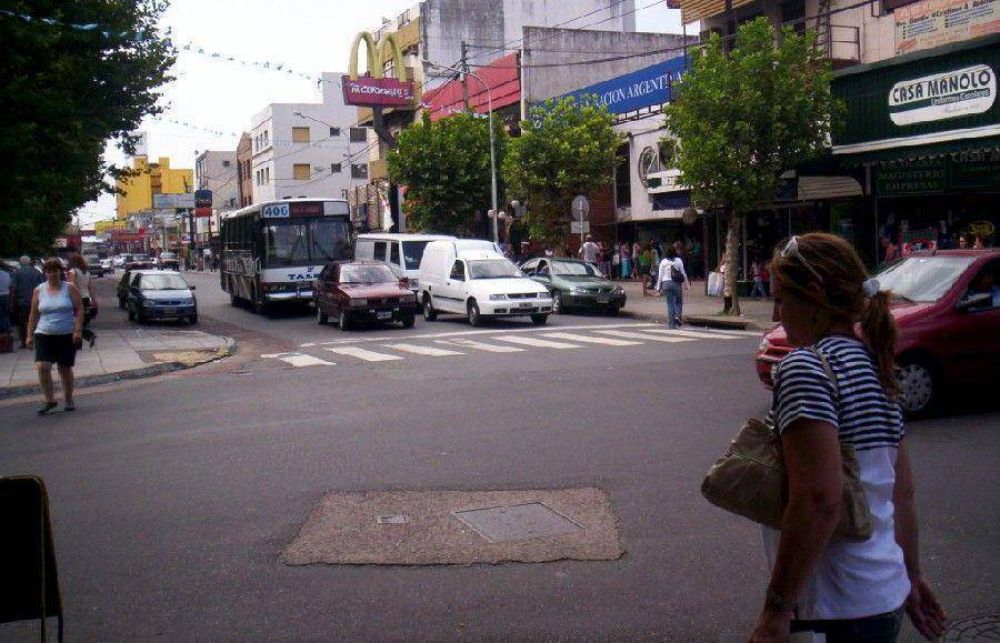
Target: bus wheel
point(234, 300)
point(259, 305)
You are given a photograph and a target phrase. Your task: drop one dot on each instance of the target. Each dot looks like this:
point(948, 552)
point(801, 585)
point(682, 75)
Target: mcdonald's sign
point(374, 89)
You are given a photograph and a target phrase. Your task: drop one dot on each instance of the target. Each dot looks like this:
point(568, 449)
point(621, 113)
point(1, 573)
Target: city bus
point(272, 251)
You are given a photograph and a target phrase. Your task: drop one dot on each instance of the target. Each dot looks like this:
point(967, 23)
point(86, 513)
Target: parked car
point(575, 284)
point(469, 277)
point(401, 252)
point(168, 261)
point(363, 291)
point(160, 294)
point(947, 310)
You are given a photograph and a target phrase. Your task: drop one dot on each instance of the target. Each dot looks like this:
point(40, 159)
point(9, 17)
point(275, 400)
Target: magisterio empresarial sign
point(960, 92)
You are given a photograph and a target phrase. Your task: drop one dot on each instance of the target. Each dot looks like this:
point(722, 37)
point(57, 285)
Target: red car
point(363, 291)
point(947, 309)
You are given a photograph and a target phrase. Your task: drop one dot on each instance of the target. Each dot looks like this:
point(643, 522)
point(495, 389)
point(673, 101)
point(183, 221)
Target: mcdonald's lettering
point(374, 89)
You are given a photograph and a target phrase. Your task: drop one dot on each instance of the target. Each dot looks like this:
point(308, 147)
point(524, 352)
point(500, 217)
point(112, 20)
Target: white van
point(401, 251)
point(470, 277)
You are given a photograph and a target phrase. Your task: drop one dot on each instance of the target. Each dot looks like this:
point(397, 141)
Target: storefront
point(922, 133)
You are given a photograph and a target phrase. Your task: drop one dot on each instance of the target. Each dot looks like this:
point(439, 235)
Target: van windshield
point(493, 269)
point(413, 252)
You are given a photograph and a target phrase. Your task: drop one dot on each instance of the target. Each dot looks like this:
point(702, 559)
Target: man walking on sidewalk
point(24, 282)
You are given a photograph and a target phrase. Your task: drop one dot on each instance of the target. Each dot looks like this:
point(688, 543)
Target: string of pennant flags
point(88, 26)
point(266, 65)
point(198, 128)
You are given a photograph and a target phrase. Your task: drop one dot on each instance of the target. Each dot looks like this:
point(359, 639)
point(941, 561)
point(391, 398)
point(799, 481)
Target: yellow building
point(153, 178)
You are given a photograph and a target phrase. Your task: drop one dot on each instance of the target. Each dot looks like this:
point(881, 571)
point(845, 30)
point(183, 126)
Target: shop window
point(300, 134)
point(300, 171)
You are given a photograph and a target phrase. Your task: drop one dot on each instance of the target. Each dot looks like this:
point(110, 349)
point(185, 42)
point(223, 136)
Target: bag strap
point(829, 372)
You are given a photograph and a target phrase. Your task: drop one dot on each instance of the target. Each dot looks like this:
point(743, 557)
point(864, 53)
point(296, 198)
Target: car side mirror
point(982, 299)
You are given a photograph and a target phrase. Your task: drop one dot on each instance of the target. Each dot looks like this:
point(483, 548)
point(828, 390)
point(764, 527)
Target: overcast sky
point(308, 36)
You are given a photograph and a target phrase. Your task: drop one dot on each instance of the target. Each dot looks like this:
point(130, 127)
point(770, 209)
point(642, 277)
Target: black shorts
point(58, 349)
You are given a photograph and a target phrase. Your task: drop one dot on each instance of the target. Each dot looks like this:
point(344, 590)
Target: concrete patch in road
point(457, 528)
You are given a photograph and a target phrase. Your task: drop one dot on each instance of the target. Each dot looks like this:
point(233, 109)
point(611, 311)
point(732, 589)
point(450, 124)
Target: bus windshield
point(306, 241)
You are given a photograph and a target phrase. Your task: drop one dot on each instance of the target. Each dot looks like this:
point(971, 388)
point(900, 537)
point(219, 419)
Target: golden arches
point(376, 55)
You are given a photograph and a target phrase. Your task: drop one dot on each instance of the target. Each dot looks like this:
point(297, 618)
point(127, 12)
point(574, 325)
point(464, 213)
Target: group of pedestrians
point(51, 306)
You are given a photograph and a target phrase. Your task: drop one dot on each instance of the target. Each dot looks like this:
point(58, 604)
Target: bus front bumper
point(299, 295)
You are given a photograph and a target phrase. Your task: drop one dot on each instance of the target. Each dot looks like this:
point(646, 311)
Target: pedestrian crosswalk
point(457, 344)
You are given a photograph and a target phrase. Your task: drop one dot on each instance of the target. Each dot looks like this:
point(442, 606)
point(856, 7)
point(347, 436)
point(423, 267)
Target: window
point(380, 250)
point(394, 253)
point(300, 134)
point(225, 164)
point(623, 178)
point(359, 171)
point(359, 135)
point(335, 168)
point(300, 171)
point(267, 175)
point(458, 271)
point(334, 131)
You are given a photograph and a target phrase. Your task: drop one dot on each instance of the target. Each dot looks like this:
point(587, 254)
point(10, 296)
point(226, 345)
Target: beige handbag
point(750, 480)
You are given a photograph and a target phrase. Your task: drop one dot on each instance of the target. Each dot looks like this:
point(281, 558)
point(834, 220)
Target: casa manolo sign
point(961, 92)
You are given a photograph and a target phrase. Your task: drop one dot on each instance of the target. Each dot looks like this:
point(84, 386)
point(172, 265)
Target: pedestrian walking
point(6, 290)
point(589, 250)
point(23, 284)
point(642, 272)
point(626, 260)
point(757, 272)
point(838, 387)
point(636, 254)
point(673, 280)
point(79, 276)
point(55, 330)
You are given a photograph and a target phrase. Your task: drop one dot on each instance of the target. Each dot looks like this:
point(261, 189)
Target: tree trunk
point(732, 263)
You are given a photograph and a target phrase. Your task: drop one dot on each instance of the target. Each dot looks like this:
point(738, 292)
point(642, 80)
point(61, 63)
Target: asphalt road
point(172, 498)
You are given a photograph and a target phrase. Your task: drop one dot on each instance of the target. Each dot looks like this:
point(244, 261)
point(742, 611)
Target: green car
point(575, 284)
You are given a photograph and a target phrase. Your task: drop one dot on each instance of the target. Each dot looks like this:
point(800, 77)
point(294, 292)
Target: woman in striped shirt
point(849, 591)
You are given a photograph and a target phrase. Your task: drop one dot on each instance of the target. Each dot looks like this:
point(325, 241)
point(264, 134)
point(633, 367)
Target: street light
point(493, 160)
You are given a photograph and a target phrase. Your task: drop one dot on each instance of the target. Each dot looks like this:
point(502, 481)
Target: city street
point(173, 498)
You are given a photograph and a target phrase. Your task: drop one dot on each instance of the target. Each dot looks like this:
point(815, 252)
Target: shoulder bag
point(750, 479)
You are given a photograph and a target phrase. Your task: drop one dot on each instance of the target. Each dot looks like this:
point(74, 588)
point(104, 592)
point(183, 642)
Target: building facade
point(136, 192)
point(307, 149)
point(244, 183)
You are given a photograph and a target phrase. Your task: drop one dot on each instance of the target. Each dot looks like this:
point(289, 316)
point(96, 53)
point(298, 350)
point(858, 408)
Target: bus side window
point(394, 254)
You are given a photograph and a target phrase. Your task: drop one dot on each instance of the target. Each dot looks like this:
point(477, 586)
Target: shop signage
point(646, 87)
point(913, 177)
point(173, 201)
point(932, 23)
point(960, 92)
point(375, 90)
point(112, 224)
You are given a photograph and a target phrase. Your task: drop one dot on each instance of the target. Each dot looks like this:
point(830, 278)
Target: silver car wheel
point(916, 385)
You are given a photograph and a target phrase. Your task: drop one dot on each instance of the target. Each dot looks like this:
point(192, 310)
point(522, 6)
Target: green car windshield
point(575, 269)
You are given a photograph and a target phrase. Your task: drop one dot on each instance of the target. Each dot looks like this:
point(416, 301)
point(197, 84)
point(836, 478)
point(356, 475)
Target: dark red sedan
point(947, 308)
point(363, 291)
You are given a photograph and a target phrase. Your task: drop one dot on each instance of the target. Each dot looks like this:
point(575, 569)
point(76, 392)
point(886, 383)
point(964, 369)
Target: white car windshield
point(366, 275)
point(923, 279)
point(493, 269)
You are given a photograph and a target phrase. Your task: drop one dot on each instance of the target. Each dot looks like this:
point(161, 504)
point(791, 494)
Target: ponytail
point(879, 330)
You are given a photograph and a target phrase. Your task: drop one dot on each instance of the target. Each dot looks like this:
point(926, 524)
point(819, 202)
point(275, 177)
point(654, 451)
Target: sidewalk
point(124, 350)
point(699, 309)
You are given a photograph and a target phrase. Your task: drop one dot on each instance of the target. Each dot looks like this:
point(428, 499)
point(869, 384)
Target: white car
point(468, 277)
point(108, 265)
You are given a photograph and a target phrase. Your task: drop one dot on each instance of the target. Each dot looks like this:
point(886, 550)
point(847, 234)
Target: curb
point(720, 323)
point(152, 370)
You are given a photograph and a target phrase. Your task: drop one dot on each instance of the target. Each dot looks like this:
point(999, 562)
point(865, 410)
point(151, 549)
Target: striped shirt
point(852, 579)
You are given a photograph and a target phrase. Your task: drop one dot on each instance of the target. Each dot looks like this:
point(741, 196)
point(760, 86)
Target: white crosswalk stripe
point(691, 333)
point(299, 359)
point(360, 353)
point(531, 341)
point(587, 339)
point(649, 338)
point(422, 350)
point(480, 346)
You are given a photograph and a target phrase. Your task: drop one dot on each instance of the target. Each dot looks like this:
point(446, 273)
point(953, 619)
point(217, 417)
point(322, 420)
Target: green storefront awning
point(923, 105)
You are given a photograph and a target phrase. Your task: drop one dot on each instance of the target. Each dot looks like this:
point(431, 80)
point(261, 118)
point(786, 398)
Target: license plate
point(383, 315)
point(525, 304)
point(604, 299)
point(169, 313)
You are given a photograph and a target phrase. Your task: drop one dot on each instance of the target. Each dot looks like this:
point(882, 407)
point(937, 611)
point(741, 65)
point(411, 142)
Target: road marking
point(649, 338)
point(298, 359)
point(691, 333)
point(531, 341)
point(422, 350)
point(482, 346)
point(467, 333)
point(360, 353)
point(606, 341)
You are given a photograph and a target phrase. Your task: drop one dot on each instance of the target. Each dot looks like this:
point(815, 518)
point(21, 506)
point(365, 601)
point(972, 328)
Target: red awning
point(503, 78)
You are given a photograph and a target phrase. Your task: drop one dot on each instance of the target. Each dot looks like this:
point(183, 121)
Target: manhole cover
point(517, 522)
point(976, 628)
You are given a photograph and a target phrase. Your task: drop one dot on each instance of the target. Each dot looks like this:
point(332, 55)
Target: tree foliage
point(64, 92)
point(445, 166)
point(743, 119)
point(566, 148)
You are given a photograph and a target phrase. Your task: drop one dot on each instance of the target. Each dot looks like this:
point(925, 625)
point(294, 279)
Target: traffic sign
point(581, 208)
point(579, 227)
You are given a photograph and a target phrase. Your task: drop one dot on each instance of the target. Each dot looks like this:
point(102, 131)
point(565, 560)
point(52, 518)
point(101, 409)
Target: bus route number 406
point(276, 211)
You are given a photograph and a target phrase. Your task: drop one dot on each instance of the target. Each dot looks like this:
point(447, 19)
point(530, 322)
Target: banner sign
point(173, 201)
point(960, 92)
point(932, 23)
point(112, 224)
point(381, 92)
point(653, 85)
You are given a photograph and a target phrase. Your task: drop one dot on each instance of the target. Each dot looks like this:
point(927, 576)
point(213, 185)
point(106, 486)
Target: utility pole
point(465, 73)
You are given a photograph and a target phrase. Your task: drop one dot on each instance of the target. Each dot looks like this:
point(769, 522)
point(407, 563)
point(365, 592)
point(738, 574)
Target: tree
point(743, 119)
point(445, 166)
point(566, 148)
point(67, 87)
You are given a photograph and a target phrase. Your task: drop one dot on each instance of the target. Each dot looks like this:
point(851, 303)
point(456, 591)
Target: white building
point(308, 149)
